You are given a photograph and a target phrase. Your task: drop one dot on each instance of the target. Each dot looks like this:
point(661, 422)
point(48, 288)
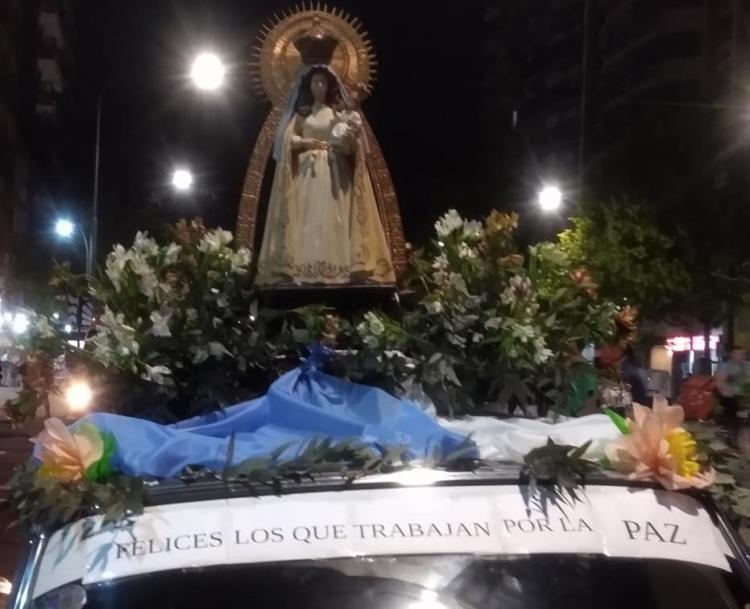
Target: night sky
point(424, 109)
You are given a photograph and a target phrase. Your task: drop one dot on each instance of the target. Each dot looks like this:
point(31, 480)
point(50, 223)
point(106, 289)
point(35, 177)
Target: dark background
point(424, 109)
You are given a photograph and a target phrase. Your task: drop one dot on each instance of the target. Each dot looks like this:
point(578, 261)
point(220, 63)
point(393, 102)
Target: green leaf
point(620, 422)
point(580, 451)
point(102, 470)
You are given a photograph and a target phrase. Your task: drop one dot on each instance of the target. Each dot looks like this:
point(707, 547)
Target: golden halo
point(276, 60)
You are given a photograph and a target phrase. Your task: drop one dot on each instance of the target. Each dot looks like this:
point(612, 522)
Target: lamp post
point(207, 73)
point(94, 227)
point(65, 229)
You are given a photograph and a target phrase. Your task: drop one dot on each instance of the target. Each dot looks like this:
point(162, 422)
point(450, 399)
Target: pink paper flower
point(657, 446)
point(66, 455)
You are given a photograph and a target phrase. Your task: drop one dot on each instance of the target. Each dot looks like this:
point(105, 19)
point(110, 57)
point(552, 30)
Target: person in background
point(730, 379)
point(630, 373)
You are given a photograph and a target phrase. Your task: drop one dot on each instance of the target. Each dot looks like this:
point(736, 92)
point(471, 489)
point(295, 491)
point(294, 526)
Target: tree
point(690, 164)
point(628, 256)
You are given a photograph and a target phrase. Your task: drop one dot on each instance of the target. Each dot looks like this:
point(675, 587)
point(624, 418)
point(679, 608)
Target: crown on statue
point(316, 46)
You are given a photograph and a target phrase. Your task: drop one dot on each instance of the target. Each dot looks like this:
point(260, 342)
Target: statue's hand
point(313, 144)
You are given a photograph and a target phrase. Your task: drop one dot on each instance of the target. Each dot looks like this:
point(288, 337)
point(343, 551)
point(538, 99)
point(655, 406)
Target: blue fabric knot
point(318, 355)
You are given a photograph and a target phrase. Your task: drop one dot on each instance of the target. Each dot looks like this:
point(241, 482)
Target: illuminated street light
point(20, 323)
point(207, 72)
point(550, 198)
point(78, 396)
point(182, 179)
point(68, 328)
point(64, 228)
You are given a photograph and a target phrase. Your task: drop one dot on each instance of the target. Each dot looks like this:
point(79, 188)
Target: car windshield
point(419, 582)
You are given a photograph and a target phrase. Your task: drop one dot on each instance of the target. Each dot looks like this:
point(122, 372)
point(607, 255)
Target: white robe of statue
point(323, 225)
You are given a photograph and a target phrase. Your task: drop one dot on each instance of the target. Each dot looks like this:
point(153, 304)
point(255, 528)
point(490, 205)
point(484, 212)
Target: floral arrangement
point(178, 331)
point(175, 327)
point(488, 325)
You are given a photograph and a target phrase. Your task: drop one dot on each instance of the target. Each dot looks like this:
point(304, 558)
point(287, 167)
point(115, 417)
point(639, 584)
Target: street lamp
point(78, 396)
point(20, 323)
point(550, 199)
point(64, 229)
point(207, 72)
point(182, 179)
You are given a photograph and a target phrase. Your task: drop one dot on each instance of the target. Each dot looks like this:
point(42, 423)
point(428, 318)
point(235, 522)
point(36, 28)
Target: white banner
point(488, 520)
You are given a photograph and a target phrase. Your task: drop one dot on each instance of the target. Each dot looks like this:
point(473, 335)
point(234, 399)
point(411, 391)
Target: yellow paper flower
point(658, 447)
point(66, 454)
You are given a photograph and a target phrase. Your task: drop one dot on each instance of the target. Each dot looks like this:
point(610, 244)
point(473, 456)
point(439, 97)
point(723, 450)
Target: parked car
point(419, 539)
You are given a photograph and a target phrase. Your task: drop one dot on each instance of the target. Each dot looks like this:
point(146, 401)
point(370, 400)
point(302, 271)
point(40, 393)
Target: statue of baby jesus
point(348, 122)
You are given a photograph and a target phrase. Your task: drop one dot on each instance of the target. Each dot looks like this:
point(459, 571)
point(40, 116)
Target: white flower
point(147, 280)
point(113, 338)
point(114, 266)
point(472, 228)
point(519, 282)
point(157, 374)
point(214, 240)
point(109, 319)
point(542, 356)
point(440, 263)
point(466, 251)
point(160, 323)
point(493, 323)
point(508, 297)
point(148, 284)
point(448, 223)
point(240, 259)
point(171, 253)
point(523, 333)
point(144, 245)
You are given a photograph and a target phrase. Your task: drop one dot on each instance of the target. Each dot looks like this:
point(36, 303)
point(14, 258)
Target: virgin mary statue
point(322, 224)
